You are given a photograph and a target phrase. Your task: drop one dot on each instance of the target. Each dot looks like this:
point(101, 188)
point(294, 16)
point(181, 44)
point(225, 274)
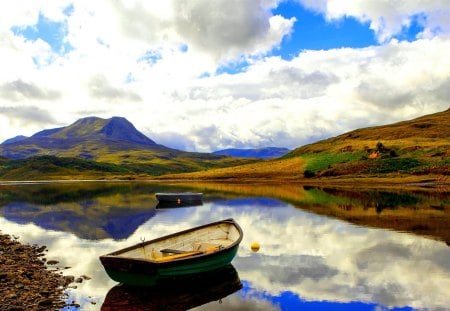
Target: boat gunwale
point(190, 258)
point(178, 194)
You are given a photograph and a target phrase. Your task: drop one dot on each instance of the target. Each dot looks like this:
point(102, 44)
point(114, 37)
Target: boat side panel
point(200, 264)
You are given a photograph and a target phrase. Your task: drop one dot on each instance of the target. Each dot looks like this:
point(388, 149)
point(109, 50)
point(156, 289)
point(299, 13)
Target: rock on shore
point(25, 281)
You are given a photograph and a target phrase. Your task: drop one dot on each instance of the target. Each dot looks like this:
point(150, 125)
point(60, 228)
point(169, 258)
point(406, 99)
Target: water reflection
point(177, 294)
point(102, 210)
point(307, 259)
point(162, 205)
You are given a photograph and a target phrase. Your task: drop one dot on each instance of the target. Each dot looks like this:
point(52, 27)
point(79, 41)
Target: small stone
point(52, 262)
point(69, 279)
point(78, 280)
point(45, 302)
point(19, 286)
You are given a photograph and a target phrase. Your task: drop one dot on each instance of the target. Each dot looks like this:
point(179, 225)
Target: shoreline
point(26, 283)
point(424, 182)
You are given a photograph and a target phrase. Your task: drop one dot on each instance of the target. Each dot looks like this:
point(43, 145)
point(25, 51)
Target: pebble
point(52, 262)
point(25, 281)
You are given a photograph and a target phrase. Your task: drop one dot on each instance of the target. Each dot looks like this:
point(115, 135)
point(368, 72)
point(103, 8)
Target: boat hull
point(179, 198)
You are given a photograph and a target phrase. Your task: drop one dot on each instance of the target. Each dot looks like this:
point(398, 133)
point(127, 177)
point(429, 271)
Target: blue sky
point(202, 75)
point(313, 32)
point(287, 301)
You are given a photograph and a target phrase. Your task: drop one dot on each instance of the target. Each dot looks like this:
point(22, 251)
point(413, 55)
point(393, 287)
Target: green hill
point(415, 148)
point(419, 146)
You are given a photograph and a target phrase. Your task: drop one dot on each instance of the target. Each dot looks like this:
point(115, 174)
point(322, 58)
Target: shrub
point(309, 174)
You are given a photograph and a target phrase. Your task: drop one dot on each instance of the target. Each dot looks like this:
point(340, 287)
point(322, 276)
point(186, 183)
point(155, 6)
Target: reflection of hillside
point(422, 212)
point(89, 210)
point(53, 193)
point(87, 219)
point(285, 192)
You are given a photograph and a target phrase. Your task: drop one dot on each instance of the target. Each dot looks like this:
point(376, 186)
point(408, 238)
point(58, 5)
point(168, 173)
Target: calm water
point(308, 260)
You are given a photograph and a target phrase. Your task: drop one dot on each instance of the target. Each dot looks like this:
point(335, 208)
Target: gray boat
point(179, 198)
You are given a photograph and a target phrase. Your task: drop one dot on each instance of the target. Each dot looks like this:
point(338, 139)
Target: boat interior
point(205, 240)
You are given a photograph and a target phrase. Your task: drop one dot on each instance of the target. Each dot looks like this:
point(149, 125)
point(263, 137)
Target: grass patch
point(392, 165)
point(321, 161)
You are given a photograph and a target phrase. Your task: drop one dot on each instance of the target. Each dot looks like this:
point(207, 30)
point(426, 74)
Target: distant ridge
point(261, 153)
point(14, 139)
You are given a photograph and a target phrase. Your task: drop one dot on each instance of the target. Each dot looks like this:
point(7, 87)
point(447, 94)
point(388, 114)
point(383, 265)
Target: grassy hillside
point(419, 147)
point(51, 167)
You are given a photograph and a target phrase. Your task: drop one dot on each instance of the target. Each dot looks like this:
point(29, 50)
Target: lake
point(320, 248)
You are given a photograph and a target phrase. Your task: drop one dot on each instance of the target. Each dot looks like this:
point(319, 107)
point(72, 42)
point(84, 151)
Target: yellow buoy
point(255, 246)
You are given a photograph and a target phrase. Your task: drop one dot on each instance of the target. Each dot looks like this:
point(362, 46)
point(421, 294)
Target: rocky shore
point(26, 282)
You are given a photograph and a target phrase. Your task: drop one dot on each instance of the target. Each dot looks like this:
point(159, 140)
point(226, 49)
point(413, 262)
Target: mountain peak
point(115, 128)
point(121, 129)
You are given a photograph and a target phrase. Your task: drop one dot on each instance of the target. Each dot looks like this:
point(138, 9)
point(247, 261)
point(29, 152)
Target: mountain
point(93, 128)
point(88, 138)
point(112, 141)
point(81, 139)
point(261, 153)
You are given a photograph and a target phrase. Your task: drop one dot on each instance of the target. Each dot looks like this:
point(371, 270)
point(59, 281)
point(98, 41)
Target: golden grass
point(286, 169)
point(429, 132)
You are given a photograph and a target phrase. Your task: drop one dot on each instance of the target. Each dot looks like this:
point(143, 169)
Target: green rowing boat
point(196, 250)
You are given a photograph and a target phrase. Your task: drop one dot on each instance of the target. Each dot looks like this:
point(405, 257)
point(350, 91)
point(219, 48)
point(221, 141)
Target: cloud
point(379, 93)
point(25, 114)
point(100, 88)
point(442, 91)
point(389, 18)
point(20, 90)
point(222, 29)
point(315, 95)
point(228, 28)
point(174, 140)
